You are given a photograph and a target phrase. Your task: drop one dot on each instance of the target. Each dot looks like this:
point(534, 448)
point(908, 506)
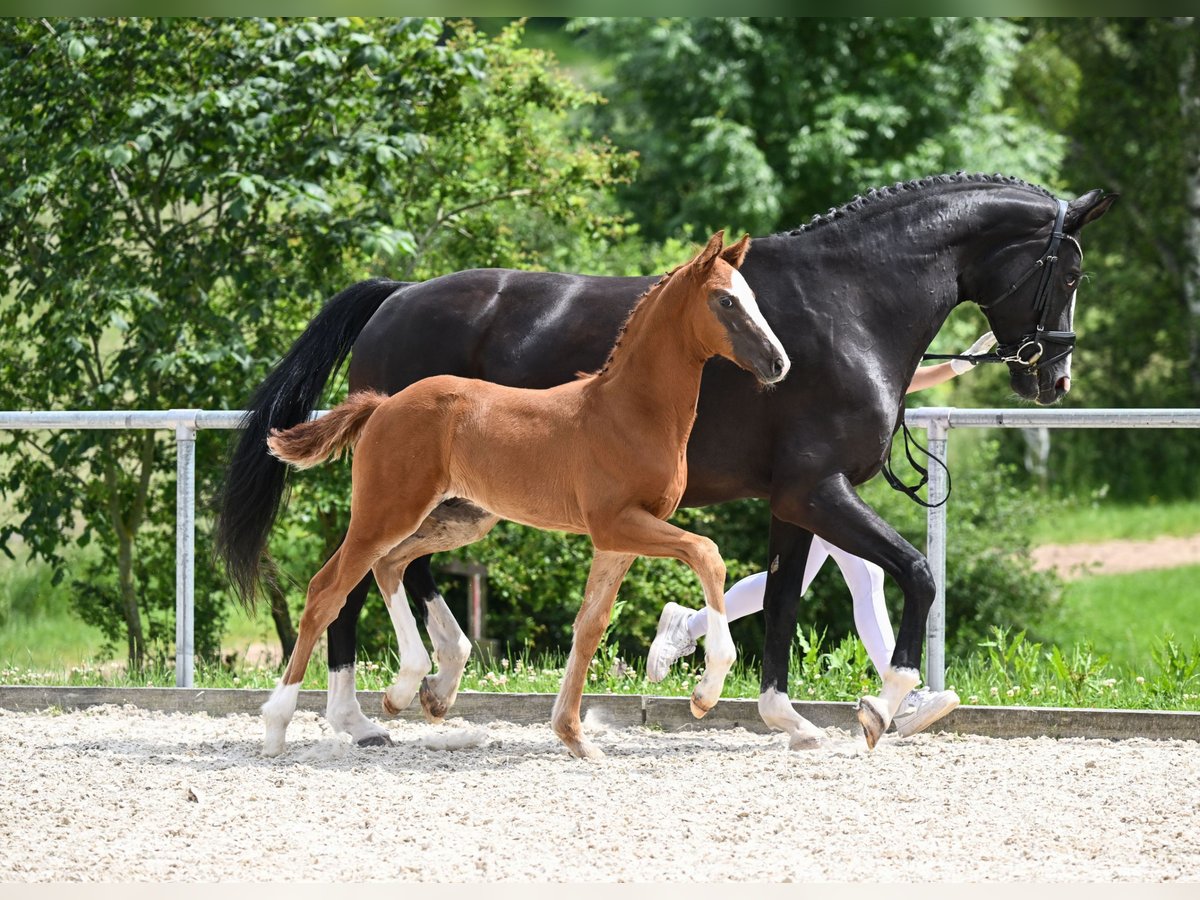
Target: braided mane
point(876, 195)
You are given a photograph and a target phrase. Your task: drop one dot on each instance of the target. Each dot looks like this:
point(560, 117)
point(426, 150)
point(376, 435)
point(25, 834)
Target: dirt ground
point(1113, 557)
point(125, 794)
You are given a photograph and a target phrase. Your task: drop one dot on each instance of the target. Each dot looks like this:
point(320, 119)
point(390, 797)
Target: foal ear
point(705, 257)
point(735, 253)
point(1087, 208)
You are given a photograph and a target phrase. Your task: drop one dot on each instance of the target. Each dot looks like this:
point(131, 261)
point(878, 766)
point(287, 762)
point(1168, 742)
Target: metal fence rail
point(937, 421)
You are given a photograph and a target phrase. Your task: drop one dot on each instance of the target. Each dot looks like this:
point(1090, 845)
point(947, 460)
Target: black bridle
point(1029, 349)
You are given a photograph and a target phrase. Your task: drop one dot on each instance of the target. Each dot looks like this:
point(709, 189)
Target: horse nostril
point(777, 366)
point(1064, 383)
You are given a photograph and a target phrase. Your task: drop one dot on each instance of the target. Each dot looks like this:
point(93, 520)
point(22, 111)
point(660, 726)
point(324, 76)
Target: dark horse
point(856, 296)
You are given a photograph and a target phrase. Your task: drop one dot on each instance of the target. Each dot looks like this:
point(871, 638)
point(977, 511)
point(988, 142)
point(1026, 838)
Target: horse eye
point(726, 301)
point(1072, 280)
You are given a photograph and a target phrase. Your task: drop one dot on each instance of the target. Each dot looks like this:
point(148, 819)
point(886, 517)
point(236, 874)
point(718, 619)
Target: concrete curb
point(623, 711)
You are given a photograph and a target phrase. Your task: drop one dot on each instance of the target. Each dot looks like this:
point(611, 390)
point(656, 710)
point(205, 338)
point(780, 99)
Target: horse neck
point(904, 277)
point(656, 365)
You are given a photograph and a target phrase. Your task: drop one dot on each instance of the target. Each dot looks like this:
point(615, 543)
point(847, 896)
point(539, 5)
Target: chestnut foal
point(603, 455)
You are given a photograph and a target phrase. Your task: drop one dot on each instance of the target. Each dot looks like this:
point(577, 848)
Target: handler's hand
point(983, 344)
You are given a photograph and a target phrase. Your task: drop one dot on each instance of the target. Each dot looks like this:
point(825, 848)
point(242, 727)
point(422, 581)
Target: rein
point(1028, 349)
point(910, 491)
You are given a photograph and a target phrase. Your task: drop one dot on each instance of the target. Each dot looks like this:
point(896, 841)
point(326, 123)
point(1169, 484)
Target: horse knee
point(916, 580)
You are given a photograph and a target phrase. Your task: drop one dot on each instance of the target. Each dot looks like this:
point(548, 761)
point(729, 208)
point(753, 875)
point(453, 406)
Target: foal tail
point(255, 483)
point(309, 443)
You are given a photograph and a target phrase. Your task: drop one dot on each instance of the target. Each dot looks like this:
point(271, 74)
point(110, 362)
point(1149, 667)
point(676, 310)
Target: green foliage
point(764, 121)
point(1117, 90)
point(177, 196)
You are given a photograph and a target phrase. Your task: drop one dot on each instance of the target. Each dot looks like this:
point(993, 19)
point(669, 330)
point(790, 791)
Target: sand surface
point(117, 793)
point(1114, 557)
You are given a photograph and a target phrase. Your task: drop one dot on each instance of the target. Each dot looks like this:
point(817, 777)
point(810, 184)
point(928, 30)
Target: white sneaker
point(671, 641)
point(920, 709)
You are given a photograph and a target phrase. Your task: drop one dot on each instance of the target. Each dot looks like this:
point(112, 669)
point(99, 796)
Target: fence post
point(185, 546)
point(935, 551)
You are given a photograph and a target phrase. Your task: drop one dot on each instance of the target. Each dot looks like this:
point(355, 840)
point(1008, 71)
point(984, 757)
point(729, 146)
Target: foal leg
point(414, 660)
point(637, 531)
point(605, 576)
point(326, 594)
point(455, 523)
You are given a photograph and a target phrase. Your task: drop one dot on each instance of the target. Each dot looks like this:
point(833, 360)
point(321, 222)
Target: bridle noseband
point(1028, 349)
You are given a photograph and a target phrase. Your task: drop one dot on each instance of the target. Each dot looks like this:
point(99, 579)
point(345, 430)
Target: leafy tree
point(1126, 92)
point(176, 198)
point(763, 122)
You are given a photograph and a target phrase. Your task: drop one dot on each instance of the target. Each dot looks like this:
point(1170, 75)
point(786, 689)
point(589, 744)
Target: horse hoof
point(585, 750)
point(698, 709)
point(272, 748)
point(376, 740)
point(871, 717)
point(806, 742)
point(434, 706)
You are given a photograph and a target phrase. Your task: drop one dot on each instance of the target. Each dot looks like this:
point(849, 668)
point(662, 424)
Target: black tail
point(253, 490)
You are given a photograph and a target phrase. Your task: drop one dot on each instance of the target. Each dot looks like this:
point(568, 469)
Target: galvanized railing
point(937, 421)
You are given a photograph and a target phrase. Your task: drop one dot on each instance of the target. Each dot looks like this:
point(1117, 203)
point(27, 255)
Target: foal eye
point(727, 301)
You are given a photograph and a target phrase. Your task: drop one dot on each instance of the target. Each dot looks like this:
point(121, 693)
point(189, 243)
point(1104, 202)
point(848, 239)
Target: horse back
point(523, 329)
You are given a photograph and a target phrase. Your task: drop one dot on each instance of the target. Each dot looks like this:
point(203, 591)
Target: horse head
point(1027, 292)
point(732, 325)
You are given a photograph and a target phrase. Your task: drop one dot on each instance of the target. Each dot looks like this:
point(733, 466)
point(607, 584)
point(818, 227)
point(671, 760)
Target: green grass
point(37, 628)
point(1122, 614)
point(1007, 670)
point(1083, 522)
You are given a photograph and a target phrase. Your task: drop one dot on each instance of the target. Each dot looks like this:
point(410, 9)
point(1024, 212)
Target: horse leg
point(604, 578)
point(414, 660)
point(637, 531)
point(326, 595)
point(342, 709)
point(455, 523)
point(835, 511)
point(790, 548)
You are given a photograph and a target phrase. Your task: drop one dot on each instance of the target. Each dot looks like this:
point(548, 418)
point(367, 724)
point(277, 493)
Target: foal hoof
point(390, 706)
point(434, 706)
point(376, 740)
point(699, 710)
point(585, 750)
point(806, 741)
point(873, 719)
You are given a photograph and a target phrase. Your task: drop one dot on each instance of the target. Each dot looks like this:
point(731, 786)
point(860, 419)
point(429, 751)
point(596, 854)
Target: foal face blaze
point(748, 339)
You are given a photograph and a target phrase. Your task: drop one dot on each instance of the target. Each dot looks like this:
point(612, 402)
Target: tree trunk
point(129, 604)
point(283, 618)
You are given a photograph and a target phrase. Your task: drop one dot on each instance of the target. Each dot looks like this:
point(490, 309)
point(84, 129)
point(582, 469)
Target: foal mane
point(637, 307)
point(878, 195)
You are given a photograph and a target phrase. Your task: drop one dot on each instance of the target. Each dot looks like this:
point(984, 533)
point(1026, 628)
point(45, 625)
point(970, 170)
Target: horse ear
point(735, 253)
point(705, 257)
point(1087, 208)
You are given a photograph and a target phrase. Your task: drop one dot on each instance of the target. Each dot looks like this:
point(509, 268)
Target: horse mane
point(637, 306)
point(877, 195)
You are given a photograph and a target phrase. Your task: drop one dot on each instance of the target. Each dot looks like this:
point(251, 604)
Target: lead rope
point(911, 491)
